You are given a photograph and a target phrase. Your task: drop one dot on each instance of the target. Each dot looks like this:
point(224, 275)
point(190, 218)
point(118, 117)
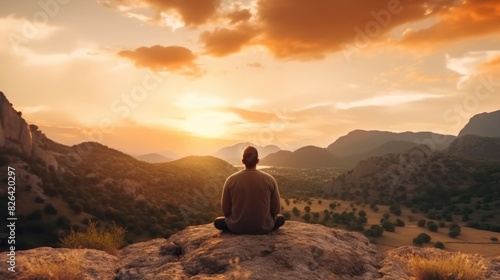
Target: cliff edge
point(295, 251)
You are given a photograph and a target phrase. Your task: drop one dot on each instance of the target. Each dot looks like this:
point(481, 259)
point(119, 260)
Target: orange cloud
point(222, 42)
point(309, 29)
point(193, 12)
point(172, 58)
point(472, 18)
point(239, 15)
point(493, 64)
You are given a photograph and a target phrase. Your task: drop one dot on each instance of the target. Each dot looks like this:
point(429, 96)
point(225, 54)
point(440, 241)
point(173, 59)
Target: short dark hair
point(250, 157)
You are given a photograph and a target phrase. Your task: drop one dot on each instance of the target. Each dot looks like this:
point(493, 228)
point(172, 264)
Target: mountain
point(233, 154)
point(153, 158)
point(420, 178)
point(61, 186)
point(391, 147)
point(485, 124)
point(360, 141)
point(476, 146)
point(305, 157)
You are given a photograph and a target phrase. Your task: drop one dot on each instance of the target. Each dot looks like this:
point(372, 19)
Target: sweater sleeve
point(226, 200)
point(275, 199)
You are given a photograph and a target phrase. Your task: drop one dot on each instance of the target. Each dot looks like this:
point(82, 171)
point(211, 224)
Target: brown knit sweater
point(250, 201)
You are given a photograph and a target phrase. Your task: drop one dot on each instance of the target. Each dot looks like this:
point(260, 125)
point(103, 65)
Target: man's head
point(250, 157)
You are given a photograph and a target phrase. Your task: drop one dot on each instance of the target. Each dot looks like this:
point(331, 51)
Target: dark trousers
point(220, 223)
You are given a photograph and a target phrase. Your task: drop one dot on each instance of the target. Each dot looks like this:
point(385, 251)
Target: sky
point(192, 76)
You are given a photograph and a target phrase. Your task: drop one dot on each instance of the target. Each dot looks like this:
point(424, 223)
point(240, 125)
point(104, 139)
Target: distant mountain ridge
point(357, 145)
point(308, 156)
point(233, 154)
point(359, 141)
point(153, 158)
point(484, 124)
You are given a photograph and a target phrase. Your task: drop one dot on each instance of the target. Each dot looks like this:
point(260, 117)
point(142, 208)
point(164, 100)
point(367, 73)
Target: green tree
point(439, 245)
point(306, 217)
point(399, 223)
point(432, 227)
point(388, 226)
point(421, 222)
point(421, 239)
point(454, 230)
point(50, 209)
point(307, 209)
point(287, 215)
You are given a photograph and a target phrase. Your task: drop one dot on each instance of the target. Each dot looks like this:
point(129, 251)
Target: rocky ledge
point(296, 251)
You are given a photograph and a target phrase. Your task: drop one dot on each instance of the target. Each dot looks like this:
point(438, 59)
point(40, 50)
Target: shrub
point(63, 222)
point(374, 231)
point(35, 215)
point(388, 226)
point(422, 238)
point(77, 208)
point(93, 238)
point(50, 209)
point(455, 267)
point(399, 223)
point(306, 217)
point(493, 238)
point(307, 209)
point(454, 230)
point(432, 227)
point(439, 245)
point(296, 211)
point(421, 222)
point(287, 215)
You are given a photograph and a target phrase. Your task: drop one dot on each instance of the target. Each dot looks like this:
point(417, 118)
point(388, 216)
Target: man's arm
point(275, 199)
point(226, 200)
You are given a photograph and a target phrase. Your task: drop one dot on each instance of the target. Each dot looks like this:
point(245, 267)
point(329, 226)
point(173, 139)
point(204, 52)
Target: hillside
point(391, 147)
point(476, 147)
point(308, 157)
point(438, 183)
point(59, 187)
point(485, 124)
point(361, 141)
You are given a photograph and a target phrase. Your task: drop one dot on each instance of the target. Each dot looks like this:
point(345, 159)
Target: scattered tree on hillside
point(421, 222)
point(432, 226)
point(388, 226)
point(454, 230)
point(421, 239)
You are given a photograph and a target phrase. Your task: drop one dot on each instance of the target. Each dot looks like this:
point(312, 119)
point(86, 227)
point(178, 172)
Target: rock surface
point(296, 251)
point(14, 131)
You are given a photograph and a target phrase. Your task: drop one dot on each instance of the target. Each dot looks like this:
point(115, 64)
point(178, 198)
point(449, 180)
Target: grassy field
point(471, 241)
